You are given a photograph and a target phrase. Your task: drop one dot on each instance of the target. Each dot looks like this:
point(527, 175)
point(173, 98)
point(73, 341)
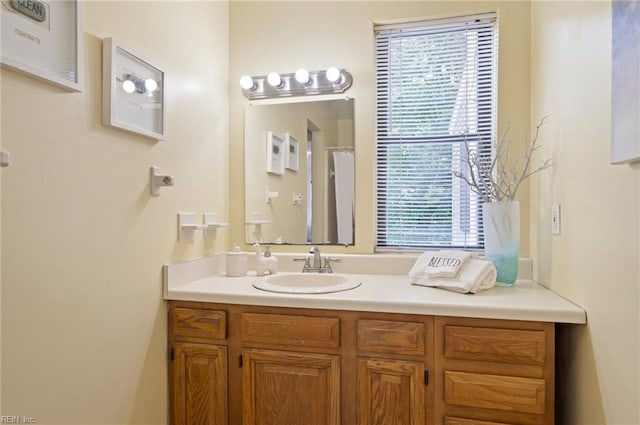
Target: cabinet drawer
point(199, 323)
point(303, 331)
point(386, 336)
point(460, 421)
point(510, 393)
point(499, 345)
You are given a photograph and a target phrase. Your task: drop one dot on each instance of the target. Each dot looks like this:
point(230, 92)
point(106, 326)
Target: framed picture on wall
point(275, 154)
point(133, 92)
point(43, 39)
point(292, 147)
point(625, 82)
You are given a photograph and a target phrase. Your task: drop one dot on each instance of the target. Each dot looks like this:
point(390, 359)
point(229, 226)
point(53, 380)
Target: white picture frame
point(625, 82)
point(133, 92)
point(43, 39)
point(292, 149)
point(275, 153)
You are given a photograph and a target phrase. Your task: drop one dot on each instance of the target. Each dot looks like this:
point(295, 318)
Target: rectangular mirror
point(312, 201)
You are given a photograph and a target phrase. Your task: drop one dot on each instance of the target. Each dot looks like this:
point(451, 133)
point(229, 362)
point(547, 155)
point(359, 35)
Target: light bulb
point(302, 76)
point(246, 82)
point(274, 79)
point(333, 74)
point(150, 84)
point(128, 86)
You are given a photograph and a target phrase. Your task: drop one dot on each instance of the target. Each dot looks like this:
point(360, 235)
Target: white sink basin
point(307, 283)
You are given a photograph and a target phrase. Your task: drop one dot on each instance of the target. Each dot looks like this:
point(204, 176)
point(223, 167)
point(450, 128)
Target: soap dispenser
point(265, 263)
point(237, 262)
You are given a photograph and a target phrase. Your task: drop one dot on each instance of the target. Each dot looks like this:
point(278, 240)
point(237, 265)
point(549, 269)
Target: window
point(435, 87)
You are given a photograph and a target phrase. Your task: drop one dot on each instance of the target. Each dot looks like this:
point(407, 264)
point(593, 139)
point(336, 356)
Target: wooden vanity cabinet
point(290, 369)
point(253, 365)
point(243, 365)
point(494, 372)
point(198, 366)
point(199, 384)
point(392, 371)
point(283, 387)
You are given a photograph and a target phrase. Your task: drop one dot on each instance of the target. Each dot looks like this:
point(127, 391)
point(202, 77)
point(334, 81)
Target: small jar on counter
point(237, 262)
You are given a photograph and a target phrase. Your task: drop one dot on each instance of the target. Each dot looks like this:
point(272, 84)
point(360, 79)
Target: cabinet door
point(391, 392)
point(285, 388)
point(199, 385)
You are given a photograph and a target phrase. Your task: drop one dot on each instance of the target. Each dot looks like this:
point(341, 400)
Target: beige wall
point(594, 262)
point(283, 36)
point(83, 242)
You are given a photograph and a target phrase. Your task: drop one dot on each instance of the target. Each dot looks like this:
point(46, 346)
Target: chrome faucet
point(317, 258)
point(318, 265)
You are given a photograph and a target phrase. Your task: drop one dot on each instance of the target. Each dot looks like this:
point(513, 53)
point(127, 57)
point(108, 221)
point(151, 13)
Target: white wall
point(595, 260)
point(83, 242)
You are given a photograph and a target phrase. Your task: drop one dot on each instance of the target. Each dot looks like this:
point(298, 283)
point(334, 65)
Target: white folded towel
point(474, 276)
point(445, 263)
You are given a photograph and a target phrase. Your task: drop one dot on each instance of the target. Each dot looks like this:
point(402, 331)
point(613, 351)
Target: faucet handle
point(267, 250)
point(307, 264)
point(327, 263)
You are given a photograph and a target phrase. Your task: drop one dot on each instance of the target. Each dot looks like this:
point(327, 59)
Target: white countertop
point(526, 300)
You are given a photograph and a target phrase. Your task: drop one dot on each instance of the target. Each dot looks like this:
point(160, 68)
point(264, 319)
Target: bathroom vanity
point(385, 352)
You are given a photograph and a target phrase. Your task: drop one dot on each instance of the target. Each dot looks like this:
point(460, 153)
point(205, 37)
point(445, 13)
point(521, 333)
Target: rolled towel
point(446, 263)
point(474, 276)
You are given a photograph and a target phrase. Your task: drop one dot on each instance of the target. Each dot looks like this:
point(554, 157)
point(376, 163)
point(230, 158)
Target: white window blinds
point(435, 86)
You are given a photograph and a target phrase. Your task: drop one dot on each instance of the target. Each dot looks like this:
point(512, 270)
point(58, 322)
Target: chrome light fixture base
point(318, 83)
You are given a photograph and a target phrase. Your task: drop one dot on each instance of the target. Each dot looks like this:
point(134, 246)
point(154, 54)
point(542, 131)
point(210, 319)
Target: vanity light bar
point(300, 83)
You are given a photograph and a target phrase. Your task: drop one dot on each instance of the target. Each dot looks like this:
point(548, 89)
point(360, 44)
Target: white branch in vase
point(490, 178)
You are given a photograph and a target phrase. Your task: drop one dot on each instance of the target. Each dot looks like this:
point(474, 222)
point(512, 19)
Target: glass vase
point(501, 221)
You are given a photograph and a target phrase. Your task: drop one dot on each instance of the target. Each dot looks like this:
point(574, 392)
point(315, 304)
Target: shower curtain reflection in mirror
point(343, 162)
